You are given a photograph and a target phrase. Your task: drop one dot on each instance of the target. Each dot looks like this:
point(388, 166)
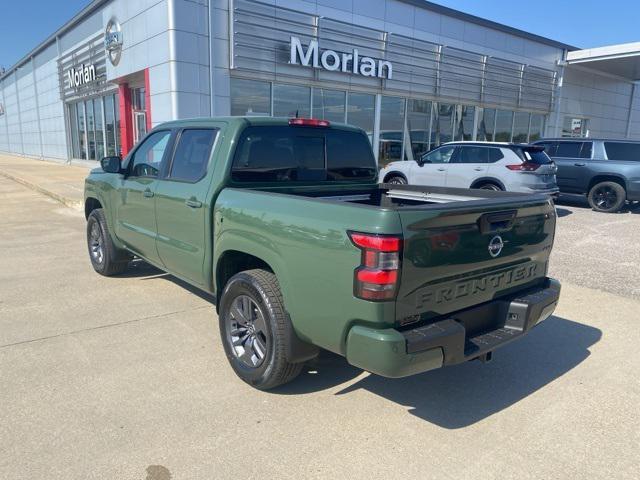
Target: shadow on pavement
point(461, 395)
point(563, 212)
point(145, 271)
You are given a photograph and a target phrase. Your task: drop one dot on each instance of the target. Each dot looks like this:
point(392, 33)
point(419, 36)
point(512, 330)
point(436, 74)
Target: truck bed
point(397, 197)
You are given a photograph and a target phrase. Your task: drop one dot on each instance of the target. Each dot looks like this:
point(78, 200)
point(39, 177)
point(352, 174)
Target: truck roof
point(252, 121)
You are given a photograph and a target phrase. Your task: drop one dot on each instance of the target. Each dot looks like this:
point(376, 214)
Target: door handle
point(478, 169)
point(441, 169)
point(580, 164)
point(148, 193)
point(192, 203)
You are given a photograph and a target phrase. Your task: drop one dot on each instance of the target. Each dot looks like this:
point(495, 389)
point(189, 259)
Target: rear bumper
point(462, 336)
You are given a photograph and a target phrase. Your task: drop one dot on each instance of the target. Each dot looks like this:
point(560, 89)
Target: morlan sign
point(82, 75)
point(338, 62)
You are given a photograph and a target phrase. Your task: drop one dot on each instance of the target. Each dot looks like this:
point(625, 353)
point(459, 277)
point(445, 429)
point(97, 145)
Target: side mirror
point(111, 164)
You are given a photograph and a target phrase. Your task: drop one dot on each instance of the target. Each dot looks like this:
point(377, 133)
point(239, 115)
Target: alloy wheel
point(96, 244)
point(605, 197)
point(247, 331)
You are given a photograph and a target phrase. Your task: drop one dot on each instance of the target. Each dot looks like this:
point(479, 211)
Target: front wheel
point(106, 258)
point(256, 331)
point(397, 180)
point(607, 197)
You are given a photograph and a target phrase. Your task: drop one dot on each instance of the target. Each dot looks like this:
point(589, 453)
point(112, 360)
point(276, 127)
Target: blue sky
point(584, 23)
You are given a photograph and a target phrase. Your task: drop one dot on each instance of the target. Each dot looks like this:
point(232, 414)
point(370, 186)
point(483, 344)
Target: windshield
point(290, 153)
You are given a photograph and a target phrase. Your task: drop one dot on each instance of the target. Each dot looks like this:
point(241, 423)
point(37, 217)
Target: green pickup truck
point(285, 223)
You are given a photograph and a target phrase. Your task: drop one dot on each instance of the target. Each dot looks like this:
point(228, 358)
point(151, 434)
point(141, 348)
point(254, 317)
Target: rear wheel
point(607, 197)
point(255, 330)
point(106, 259)
point(489, 186)
point(397, 180)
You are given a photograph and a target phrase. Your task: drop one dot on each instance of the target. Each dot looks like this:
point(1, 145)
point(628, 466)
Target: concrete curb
point(68, 202)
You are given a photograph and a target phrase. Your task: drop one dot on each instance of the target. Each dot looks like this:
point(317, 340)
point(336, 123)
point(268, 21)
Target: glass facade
point(391, 129)
point(407, 127)
point(95, 127)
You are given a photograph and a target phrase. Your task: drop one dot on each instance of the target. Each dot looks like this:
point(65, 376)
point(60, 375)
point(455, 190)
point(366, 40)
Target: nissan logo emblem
point(113, 41)
point(495, 246)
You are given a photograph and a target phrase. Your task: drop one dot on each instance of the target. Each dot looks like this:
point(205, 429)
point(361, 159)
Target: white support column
point(376, 127)
point(557, 98)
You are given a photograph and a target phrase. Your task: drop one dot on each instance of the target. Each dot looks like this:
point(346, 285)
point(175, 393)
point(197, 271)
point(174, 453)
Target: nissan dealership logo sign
point(314, 56)
point(113, 41)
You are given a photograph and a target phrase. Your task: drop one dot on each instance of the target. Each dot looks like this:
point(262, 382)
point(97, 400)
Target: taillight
point(377, 277)
point(524, 166)
point(309, 122)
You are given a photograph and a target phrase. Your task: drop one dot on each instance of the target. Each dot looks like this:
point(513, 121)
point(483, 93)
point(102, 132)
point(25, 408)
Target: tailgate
point(463, 254)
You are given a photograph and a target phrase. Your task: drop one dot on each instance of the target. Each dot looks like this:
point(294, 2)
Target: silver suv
point(513, 167)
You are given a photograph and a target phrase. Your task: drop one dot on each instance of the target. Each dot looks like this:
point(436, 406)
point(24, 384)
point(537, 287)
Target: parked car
point(486, 165)
point(285, 223)
point(606, 171)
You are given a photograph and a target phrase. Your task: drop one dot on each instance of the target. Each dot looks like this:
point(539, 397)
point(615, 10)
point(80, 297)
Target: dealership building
point(411, 73)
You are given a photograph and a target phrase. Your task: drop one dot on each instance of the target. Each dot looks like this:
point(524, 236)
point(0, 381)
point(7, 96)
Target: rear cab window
point(299, 153)
point(623, 151)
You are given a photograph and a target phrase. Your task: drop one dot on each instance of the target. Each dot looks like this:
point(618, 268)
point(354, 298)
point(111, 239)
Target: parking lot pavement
point(597, 250)
point(125, 378)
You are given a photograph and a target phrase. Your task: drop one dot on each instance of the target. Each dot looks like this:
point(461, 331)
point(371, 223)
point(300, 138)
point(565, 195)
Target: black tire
point(607, 197)
point(105, 258)
point(494, 187)
point(272, 339)
point(397, 180)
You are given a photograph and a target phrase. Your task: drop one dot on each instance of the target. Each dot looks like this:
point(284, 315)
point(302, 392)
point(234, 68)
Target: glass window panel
point(82, 138)
point(91, 139)
point(349, 156)
point(291, 101)
point(250, 98)
point(569, 149)
point(148, 157)
point(486, 125)
point(471, 154)
point(329, 104)
point(138, 98)
point(110, 125)
point(623, 151)
point(520, 127)
point(116, 101)
point(464, 122)
point(536, 130)
point(418, 119)
point(73, 121)
point(361, 112)
point(440, 155)
point(391, 130)
point(192, 154)
point(504, 120)
point(442, 126)
point(97, 109)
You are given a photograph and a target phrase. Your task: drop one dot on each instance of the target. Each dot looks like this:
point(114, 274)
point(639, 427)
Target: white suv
point(514, 167)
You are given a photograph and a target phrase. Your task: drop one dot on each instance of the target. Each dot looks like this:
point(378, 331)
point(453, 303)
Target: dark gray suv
point(607, 171)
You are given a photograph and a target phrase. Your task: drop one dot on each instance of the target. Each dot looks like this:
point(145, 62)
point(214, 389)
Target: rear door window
point(192, 154)
point(471, 154)
point(568, 150)
point(623, 151)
